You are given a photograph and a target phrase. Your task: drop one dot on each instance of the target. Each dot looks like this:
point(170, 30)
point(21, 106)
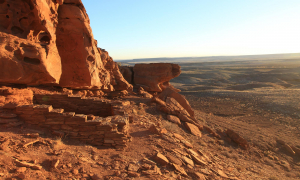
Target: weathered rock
point(199, 176)
point(237, 138)
point(127, 73)
point(161, 159)
point(154, 129)
point(188, 161)
point(116, 78)
point(96, 177)
point(179, 169)
point(193, 129)
point(147, 161)
point(174, 119)
point(289, 149)
point(51, 42)
point(29, 165)
point(174, 160)
point(171, 92)
point(14, 96)
point(296, 150)
point(197, 160)
point(81, 61)
point(187, 144)
point(175, 107)
point(133, 174)
point(155, 76)
point(28, 52)
point(178, 136)
point(145, 94)
point(133, 167)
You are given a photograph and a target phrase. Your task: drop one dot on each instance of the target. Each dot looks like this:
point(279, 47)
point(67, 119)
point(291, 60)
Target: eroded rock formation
point(51, 42)
point(155, 76)
point(28, 53)
point(116, 77)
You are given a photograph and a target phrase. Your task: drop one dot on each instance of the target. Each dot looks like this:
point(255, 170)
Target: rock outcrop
point(116, 77)
point(28, 52)
point(127, 73)
point(155, 76)
point(51, 42)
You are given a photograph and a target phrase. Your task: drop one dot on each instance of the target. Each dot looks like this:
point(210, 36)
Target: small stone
point(188, 161)
point(187, 144)
point(174, 160)
point(145, 160)
point(289, 149)
point(133, 174)
point(161, 159)
point(221, 173)
point(96, 177)
point(95, 157)
point(180, 169)
point(197, 160)
point(117, 173)
point(21, 169)
point(178, 136)
point(174, 119)
point(133, 167)
point(69, 165)
point(199, 176)
point(75, 171)
point(154, 129)
point(193, 129)
point(21, 176)
point(34, 135)
point(55, 163)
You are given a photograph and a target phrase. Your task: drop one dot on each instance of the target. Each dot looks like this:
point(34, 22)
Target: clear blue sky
point(130, 29)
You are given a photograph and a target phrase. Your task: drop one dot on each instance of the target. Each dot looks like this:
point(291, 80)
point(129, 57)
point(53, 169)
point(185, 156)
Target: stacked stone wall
point(110, 131)
point(77, 104)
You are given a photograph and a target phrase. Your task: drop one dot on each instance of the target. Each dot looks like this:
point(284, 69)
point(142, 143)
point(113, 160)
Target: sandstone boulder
point(171, 93)
point(155, 76)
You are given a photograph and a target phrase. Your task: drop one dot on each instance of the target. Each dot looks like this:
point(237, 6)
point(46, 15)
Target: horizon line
point(205, 56)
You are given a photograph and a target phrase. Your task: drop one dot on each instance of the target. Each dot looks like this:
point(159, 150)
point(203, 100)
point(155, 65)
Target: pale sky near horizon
point(130, 29)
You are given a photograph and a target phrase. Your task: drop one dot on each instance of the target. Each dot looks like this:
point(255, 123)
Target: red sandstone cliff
point(51, 42)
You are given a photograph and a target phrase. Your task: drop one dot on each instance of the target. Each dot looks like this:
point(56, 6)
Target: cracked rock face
point(51, 42)
point(28, 53)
